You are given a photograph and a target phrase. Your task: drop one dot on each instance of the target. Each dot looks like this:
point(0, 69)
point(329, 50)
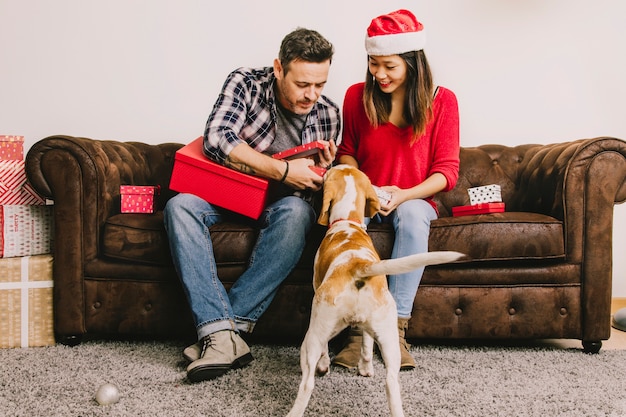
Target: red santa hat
point(394, 33)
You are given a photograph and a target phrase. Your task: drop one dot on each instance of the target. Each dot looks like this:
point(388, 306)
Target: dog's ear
point(328, 194)
point(372, 203)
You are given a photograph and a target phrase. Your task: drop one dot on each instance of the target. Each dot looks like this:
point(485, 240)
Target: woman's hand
point(397, 197)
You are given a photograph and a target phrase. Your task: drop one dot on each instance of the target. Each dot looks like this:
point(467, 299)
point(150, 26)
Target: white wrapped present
point(485, 194)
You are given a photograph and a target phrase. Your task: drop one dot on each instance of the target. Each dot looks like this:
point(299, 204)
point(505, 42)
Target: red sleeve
point(353, 113)
point(446, 137)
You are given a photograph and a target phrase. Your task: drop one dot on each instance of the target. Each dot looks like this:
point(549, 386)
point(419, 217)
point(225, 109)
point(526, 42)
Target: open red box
point(482, 208)
point(196, 174)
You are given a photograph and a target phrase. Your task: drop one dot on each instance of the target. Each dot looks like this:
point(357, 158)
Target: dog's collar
point(352, 222)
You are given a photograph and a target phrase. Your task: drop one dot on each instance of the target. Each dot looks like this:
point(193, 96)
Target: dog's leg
point(313, 355)
point(323, 365)
point(310, 353)
point(387, 339)
point(365, 366)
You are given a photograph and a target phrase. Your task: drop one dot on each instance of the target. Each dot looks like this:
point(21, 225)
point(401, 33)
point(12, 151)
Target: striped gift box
point(11, 148)
point(14, 189)
point(26, 316)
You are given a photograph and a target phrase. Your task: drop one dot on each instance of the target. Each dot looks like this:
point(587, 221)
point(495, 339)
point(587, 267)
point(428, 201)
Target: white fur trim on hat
point(395, 44)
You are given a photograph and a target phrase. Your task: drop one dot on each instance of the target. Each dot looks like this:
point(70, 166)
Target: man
point(258, 112)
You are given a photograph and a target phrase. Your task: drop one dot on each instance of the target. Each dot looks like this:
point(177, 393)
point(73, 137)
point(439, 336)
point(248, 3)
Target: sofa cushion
point(500, 236)
point(135, 237)
point(142, 238)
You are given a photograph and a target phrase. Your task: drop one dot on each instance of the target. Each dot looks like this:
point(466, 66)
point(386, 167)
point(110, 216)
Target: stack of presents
point(26, 237)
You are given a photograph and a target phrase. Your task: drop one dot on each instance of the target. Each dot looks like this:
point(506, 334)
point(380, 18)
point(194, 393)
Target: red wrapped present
point(138, 198)
point(25, 230)
point(14, 189)
point(482, 208)
point(196, 174)
point(11, 148)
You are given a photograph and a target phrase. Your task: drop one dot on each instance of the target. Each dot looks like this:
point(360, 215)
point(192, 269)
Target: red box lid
point(140, 189)
point(482, 208)
point(196, 174)
point(301, 151)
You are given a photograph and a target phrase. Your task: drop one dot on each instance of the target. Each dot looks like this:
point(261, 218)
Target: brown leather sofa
point(540, 270)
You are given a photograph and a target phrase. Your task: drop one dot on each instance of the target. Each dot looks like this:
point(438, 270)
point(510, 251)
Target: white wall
point(531, 71)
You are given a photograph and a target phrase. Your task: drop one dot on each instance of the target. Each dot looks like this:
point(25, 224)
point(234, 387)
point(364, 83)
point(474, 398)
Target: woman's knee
point(416, 212)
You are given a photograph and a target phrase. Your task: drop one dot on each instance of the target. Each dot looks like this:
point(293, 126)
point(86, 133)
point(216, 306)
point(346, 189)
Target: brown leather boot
point(407, 362)
point(351, 352)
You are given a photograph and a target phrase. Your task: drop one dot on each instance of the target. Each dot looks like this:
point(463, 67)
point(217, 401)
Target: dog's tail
point(409, 263)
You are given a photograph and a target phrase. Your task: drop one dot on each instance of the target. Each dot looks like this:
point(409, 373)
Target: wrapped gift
point(11, 148)
point(482, 208)
point(138, 198)
point(25, 230)
point(26, 316)
point(485, 194)
point(14, 189)
point(196, 174)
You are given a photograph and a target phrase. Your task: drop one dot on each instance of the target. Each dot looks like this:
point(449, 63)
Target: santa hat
point(394, 33)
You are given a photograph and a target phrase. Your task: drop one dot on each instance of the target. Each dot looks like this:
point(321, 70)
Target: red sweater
point(385, 154)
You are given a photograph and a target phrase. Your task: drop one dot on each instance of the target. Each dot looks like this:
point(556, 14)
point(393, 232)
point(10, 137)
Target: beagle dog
point(351, 286)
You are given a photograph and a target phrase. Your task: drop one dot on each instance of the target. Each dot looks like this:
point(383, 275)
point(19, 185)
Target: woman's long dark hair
point(418, 97)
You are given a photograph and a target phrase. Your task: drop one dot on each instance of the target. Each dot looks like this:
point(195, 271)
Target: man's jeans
point(283, 225)
point(411, 223)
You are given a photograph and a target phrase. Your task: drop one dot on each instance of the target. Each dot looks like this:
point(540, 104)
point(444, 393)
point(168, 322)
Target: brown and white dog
point(351, 286)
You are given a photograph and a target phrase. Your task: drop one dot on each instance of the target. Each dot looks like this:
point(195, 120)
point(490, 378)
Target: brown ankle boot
point(351, 352)
point(407, 362)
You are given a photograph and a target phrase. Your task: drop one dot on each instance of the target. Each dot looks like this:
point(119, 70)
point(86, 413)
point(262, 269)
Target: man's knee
point(295, 211)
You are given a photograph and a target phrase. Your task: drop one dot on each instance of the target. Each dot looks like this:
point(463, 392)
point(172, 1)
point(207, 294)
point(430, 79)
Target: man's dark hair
point(306, 45)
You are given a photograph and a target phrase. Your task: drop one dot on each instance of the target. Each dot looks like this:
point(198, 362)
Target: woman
point(403, 132)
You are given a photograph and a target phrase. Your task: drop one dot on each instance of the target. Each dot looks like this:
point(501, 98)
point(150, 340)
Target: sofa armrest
point(83, 177)
point(579, 182)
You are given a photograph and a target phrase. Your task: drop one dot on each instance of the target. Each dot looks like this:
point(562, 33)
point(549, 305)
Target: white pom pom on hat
point(394, 33)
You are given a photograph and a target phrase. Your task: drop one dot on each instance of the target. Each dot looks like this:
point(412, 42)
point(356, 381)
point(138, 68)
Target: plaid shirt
point(245, 111)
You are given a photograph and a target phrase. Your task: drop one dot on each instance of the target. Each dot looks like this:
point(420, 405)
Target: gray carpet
point(453, 380)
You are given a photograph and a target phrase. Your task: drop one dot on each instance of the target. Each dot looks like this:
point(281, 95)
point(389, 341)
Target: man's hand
point(326, 156)
point(301, 177)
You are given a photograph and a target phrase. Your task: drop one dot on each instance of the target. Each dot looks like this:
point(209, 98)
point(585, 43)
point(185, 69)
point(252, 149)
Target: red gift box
point(138, 198)
point(13, 186)
point(11, 148)
point(302, 151)
point(482, 208)
point(196, 174)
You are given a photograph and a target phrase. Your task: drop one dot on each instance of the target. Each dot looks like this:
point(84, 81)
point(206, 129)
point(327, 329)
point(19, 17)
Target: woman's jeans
point(411, 223)
point(283, 227)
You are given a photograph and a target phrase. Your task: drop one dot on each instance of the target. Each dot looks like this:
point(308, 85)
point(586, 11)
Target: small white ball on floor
point(107, 394)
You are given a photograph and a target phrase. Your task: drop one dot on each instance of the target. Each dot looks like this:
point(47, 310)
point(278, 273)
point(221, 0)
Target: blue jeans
point(411, 223)
point(283, 227)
